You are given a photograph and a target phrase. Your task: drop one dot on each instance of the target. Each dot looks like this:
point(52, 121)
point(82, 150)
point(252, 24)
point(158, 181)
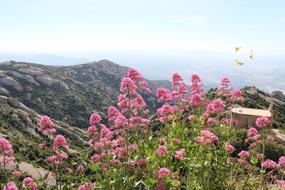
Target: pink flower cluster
point(179, 88)
point(207, 137)
point(163, 172)
point(252, 136)
point(28, 182)
point(216, 106)
point(46, 126)
point(226, 90)
point(230, 148)
point(128, 86)
point(197, 86)
point(60, 142)
point(163, 95)
point(10, 186)
point(197, 93)
point(281, 161)
point(109, 142)
point(281, 183)
point(85, 186)
point(180, 154)
point(161, 150)
point(6, 151)
point(166, 112)
point(269, 164)
point(95, 119)
point(243, 154)
point(139, 80)
point(262, 122)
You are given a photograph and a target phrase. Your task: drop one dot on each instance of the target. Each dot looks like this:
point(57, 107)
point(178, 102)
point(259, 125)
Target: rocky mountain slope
point(255, 98)
point(19, 124)
point(66, 93)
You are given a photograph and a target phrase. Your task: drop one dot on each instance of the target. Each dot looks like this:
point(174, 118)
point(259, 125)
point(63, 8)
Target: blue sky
point(66, 26)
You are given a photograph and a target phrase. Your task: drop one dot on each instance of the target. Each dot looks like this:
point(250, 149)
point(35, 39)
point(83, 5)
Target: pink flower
point(281, 161)
point(10, 186)
point(191, 117)
point(166, 112)
point(225, 90)
point(85, 186)
point(105, 132)
point(176, 78)
point(80, 168)
point(237, 96)
point(230, 148)
point(269, 164)
point(196, 100)
point(134, 74)
point(113, 113)
point(243, 154)
point(251, 132)
point(163, 172)
point(217, 106)
point(5, 147)
point(163, 94)
point(58, 142)
point(128, 86)
point(29, 182)
point(92, 131)
point(45, 121)
point(95, 119)
point(46, 126)
point(225, 81)
point(270, 138)
point(95, 158)
point(6, 151)
point(180, 154)
point(197, 86)
point(281, 183)
point(161, 186)
point(115, 162)
point(144, 85)
point(133, 147)
point(161, 151)
point(262, 122)
point(206, 137)
point(123, 102)
point(120, 121)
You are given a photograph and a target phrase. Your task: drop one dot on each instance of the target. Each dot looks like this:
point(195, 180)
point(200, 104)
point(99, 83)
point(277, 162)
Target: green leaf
point(94, 167)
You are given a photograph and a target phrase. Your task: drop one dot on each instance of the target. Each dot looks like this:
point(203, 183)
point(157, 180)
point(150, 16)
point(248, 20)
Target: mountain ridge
point(59, 90)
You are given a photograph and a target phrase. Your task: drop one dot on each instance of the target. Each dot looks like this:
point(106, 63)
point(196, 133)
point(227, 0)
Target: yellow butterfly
point(239, 63)
point(238, 49)
point(251, 54)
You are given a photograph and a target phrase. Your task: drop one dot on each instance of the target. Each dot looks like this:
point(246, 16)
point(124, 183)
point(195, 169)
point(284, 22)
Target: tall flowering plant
point(57, 147)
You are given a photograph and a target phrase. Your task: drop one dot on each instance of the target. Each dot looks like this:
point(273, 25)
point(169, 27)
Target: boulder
point(10, 82)
point(4, 91)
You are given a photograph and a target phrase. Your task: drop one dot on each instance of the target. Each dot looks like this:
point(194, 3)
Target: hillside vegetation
point(189, 144)
point(66, 93)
